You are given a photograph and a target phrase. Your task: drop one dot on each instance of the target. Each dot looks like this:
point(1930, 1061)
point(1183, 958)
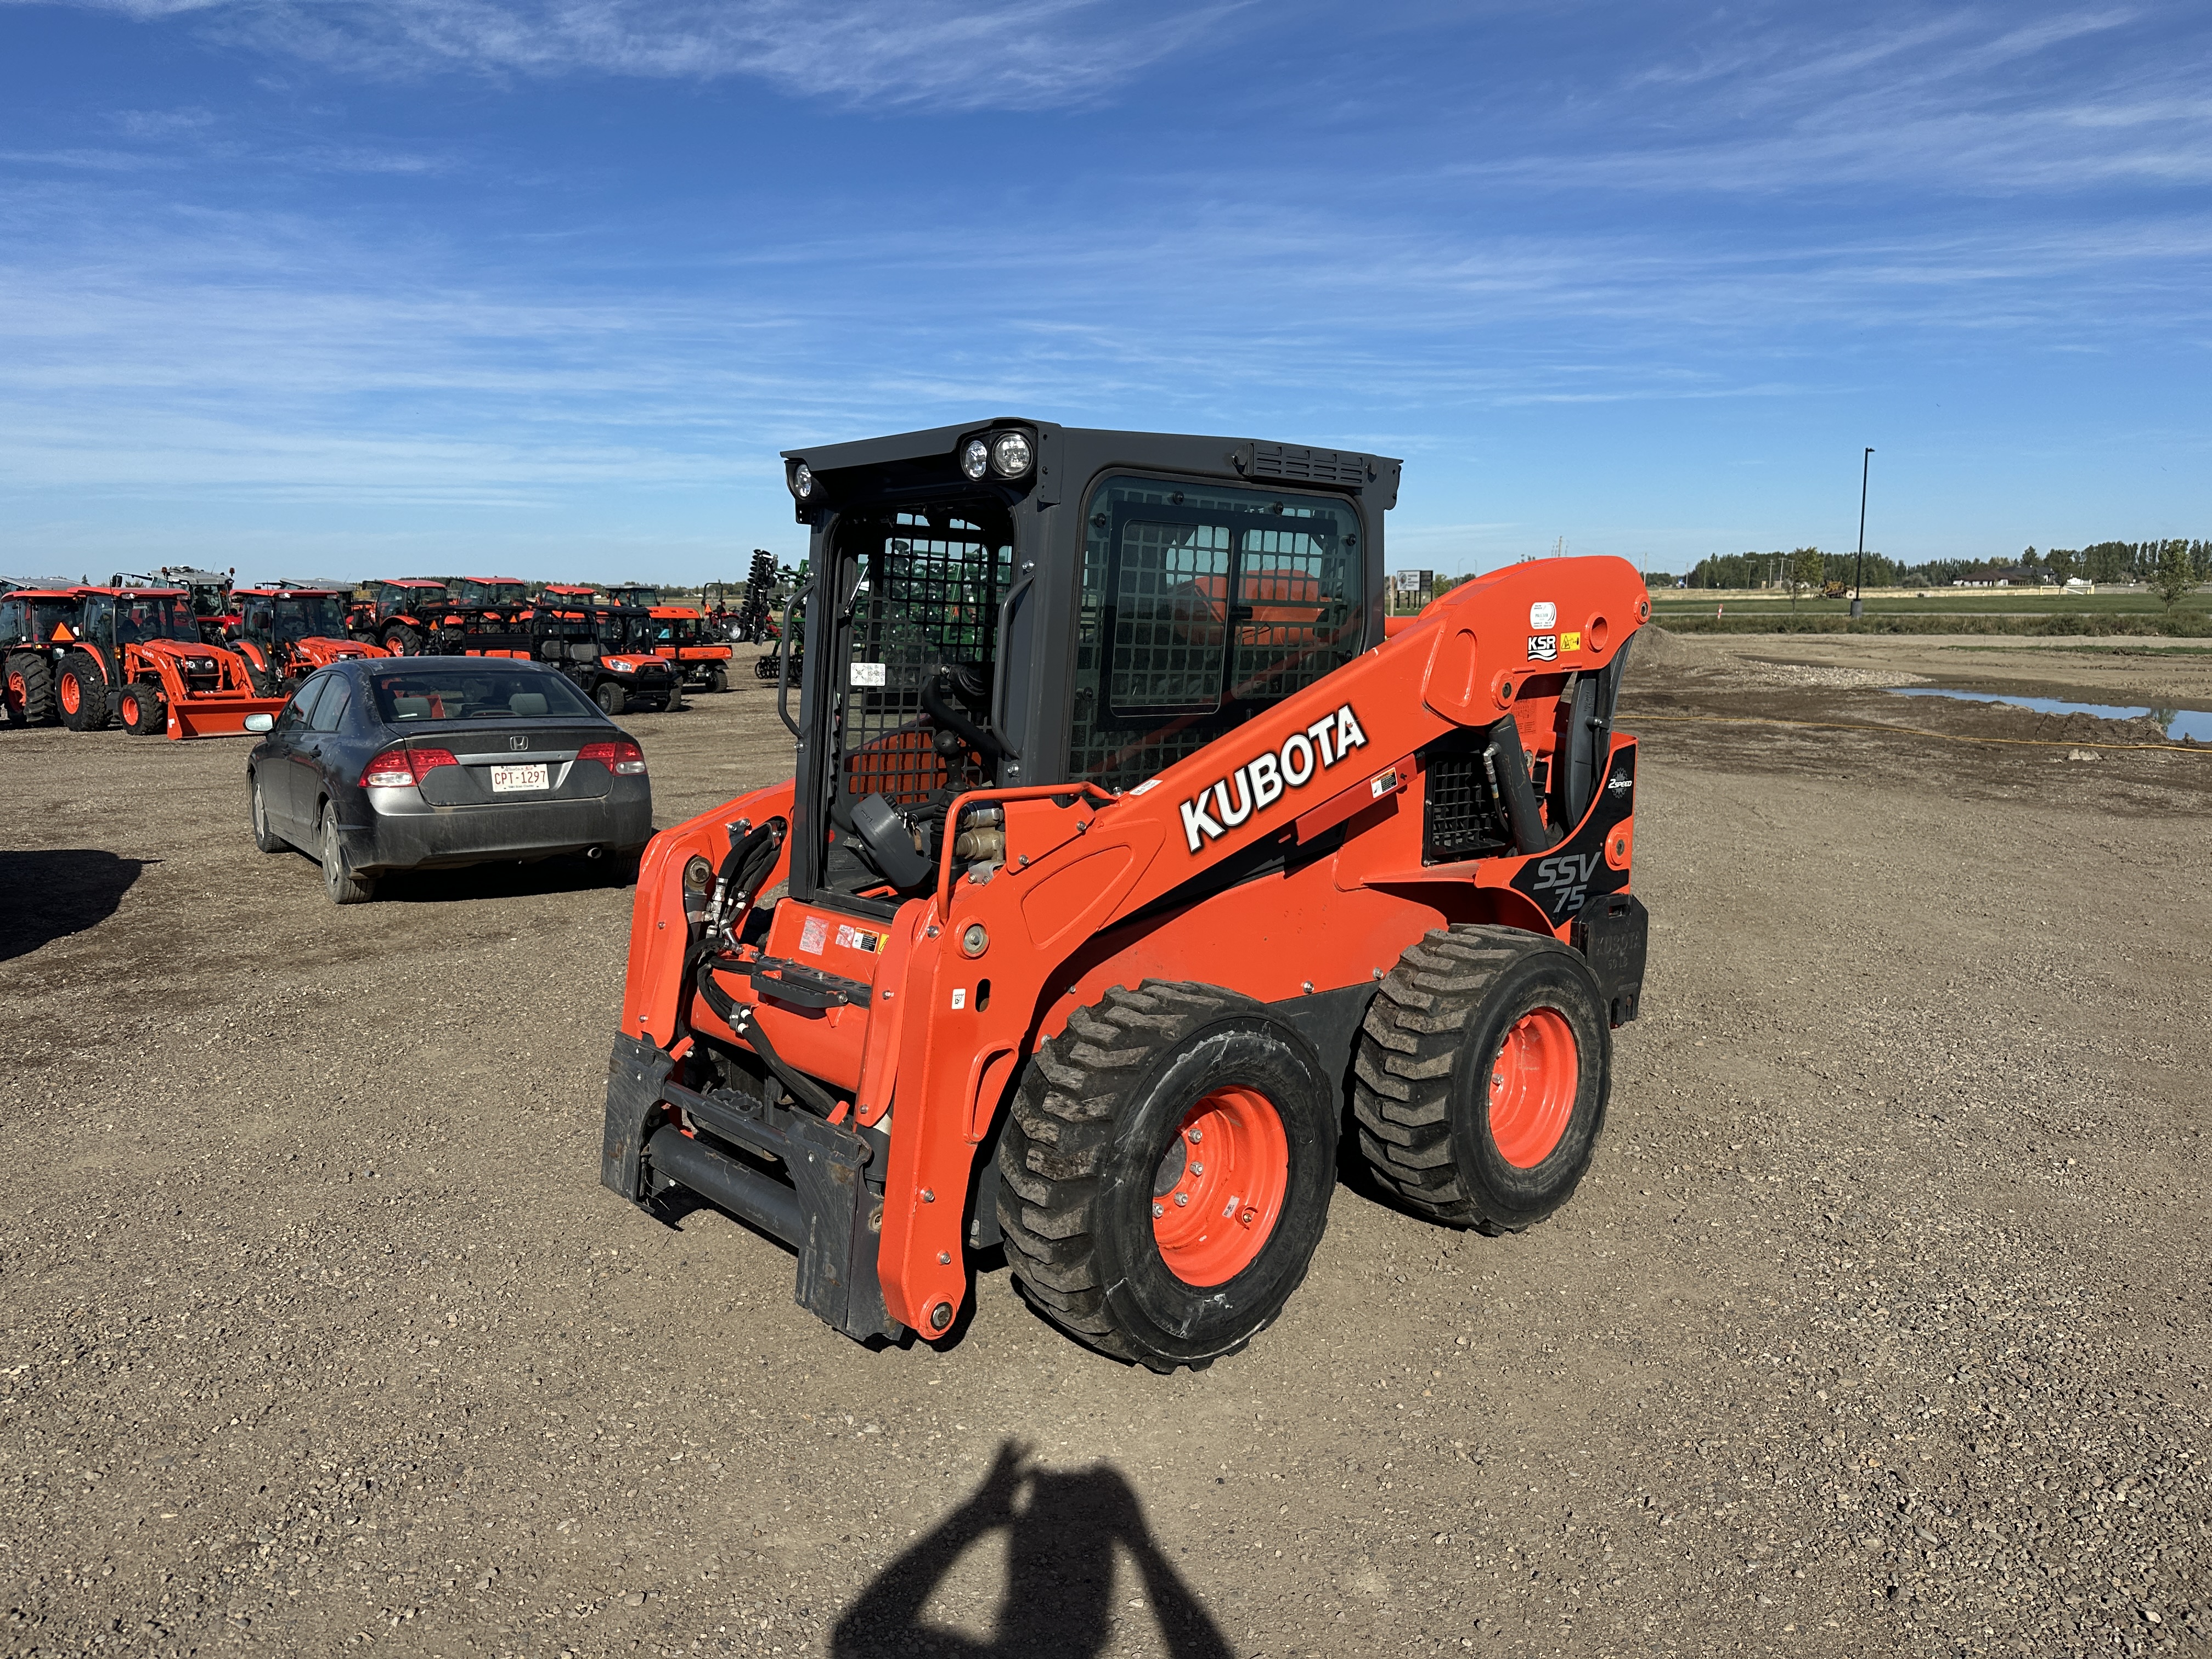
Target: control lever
point(889, 844)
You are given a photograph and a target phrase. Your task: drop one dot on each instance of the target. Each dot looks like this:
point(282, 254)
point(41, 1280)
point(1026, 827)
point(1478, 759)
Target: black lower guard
point(817, 1186)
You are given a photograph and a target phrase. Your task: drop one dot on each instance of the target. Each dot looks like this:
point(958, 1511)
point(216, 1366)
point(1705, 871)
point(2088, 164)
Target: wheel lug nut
point(1159, 1209)
point(1198, 1169)
point(1194, 1136)
point(1182, 1199)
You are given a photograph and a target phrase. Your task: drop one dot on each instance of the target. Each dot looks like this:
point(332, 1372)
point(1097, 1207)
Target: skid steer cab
point(1129, 869)
point(136, 658)
point(284, 633)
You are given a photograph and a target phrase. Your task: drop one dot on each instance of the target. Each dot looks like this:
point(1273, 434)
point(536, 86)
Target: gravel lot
point(1878, 1327)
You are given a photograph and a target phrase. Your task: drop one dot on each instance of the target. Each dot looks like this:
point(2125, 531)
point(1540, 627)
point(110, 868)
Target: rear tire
point(338, 880)
point(266, 840)
point(1096, 1151)
point(403, 642)
point(30, 689)
point(1483, 1070)
point(613, 700)
point(718, 678)
point(140, 710)
point(83, 693)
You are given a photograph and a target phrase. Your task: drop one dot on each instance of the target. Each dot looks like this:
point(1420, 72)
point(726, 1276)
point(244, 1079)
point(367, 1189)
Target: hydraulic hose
point(738, 1016)
point(1508, 766)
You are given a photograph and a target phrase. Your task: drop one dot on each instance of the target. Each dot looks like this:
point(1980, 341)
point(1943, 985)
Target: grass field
point(1936, 610)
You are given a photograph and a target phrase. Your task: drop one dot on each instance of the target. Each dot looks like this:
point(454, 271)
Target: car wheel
point(264, 838)
point(338, 880)
point(612, 700)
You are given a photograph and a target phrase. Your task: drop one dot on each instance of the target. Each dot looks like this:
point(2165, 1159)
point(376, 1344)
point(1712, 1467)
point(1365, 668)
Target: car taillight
point(623, 756)
point(395, 768)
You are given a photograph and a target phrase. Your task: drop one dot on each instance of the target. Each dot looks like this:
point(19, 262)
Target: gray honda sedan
point(386, 763)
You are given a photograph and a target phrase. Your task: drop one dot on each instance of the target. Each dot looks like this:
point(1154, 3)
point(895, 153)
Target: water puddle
point(2179, 723)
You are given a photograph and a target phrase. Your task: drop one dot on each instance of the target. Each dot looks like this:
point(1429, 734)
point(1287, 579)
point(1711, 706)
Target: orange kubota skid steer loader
point(1130, 865)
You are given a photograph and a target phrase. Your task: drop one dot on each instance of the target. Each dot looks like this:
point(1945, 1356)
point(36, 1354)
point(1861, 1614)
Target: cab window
point(1202, 605)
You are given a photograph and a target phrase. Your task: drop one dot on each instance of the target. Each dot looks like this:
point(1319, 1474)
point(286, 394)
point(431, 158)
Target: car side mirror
point(257, 723)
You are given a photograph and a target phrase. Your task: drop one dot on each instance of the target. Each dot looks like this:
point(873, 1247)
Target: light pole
point(1858, 576)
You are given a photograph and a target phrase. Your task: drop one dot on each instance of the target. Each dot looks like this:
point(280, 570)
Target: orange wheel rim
point(1533, 1084)
point(72, 693)
point(1218, 1192)
point(130, 708)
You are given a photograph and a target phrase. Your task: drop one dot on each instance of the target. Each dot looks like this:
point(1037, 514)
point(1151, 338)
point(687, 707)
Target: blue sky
point(431, 283)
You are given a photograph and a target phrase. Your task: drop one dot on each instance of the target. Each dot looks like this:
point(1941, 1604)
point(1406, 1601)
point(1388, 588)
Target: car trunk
point(492, 769)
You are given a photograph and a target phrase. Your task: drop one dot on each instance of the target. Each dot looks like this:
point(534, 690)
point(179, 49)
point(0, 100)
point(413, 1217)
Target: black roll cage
point(1041, 612)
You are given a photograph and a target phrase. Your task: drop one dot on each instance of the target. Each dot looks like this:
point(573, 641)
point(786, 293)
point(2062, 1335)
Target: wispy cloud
point(954, 55)
point(1959, 99)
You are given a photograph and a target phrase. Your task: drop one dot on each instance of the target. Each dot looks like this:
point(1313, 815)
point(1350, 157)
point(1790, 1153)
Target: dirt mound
point(1655, 648)
point(1997, 720)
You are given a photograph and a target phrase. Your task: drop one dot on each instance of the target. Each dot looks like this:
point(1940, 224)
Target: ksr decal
point(1261, 781)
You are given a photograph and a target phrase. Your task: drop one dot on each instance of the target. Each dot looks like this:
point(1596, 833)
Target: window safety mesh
point(929, 595)
point(1202, 604)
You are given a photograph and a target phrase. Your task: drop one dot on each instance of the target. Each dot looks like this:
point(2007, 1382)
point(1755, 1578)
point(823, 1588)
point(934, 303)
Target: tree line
point(2155, 562)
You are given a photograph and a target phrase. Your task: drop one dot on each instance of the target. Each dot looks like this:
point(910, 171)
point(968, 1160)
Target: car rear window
point(418, 696)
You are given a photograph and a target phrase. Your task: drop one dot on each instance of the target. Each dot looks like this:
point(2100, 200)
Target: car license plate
point(507, 779)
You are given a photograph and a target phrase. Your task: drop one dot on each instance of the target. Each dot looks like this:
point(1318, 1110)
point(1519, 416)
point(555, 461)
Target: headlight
point(1010, 454)
point(802, 482)
point(975, 457)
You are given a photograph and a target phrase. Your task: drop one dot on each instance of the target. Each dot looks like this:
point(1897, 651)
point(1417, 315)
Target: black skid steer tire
point(1481, 1077)
point(1096, 1151)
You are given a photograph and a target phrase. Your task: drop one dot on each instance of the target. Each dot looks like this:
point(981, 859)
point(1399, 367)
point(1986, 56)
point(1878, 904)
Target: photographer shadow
point(1062, 1548)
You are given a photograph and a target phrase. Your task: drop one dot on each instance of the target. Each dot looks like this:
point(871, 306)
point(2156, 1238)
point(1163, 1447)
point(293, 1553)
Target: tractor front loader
point(1131, 863)
point(136, 658)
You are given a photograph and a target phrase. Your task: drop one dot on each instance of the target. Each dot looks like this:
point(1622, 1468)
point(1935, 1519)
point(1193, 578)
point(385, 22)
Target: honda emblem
point(518, 743)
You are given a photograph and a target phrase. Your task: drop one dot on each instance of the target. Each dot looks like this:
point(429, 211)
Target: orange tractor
point(135, 656)
point(403, 615)
point(37, 625)
point(1132, 868)
point(284, 633)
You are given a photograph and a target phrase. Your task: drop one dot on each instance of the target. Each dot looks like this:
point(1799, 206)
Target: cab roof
point(1068, 457)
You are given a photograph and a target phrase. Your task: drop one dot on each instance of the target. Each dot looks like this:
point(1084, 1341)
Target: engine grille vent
point(1461, 816)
